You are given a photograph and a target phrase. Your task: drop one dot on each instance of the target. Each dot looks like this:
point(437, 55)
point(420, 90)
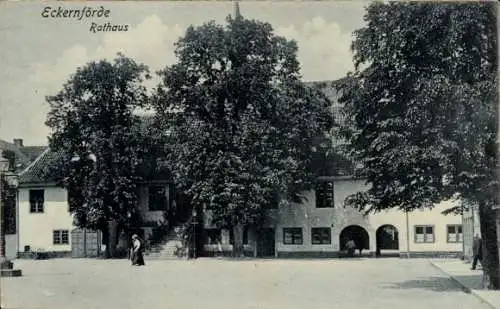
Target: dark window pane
point(292, 236)
point(36, 200)
point(324, 194)
point(65, 237)
point(321, 235)
point(326, 236)
point(55, 237)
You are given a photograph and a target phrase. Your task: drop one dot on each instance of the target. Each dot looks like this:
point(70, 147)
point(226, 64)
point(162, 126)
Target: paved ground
point(219, 284)
point(470, 280)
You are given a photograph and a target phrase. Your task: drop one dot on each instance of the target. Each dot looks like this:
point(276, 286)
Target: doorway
point(266, 243)
point(356, 233)
point(387, 240)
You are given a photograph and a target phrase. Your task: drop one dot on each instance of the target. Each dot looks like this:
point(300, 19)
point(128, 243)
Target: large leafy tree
point(97, 143)
point(422, 105)
point(244, 123)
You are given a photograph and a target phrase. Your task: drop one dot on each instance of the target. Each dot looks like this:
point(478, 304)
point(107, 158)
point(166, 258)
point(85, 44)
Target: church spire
point(237, 13)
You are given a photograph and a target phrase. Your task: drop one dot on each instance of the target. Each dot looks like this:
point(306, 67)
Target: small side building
point(19, 157)
point(45, 221)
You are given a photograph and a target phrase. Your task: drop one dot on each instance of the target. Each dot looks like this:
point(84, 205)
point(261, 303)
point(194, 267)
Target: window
point(292, 236)
point(158, 198)
point(60, 237)
point(424, 233)
point(213, 236)
point(454, 233)
point(36, 201)
point(324, 194)
point(321, 236)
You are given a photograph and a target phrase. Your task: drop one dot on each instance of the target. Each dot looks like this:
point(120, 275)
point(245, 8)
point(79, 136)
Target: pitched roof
point(24, 155)
point(36, 172)
point(33, 152)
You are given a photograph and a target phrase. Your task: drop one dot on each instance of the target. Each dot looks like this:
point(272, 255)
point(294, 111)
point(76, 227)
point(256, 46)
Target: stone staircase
point(171, 247)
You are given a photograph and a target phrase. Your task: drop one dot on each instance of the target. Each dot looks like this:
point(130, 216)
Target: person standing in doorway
point(477, 249)
point(136, 254)
point(351, 247)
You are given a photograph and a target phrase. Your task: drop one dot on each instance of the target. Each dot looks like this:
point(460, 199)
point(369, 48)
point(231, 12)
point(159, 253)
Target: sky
point(38, 54)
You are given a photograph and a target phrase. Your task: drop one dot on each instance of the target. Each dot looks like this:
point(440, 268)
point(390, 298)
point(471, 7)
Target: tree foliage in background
point(244, 124)
point(422, 104)
point(98, 143)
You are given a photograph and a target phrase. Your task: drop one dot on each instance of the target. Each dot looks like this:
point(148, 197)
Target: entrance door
point(266, 243)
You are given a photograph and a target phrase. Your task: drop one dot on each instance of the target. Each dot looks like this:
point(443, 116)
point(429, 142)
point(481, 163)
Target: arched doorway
point(358, 234)
point(387, 239)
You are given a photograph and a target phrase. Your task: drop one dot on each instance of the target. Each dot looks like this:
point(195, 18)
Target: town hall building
point(318, 227)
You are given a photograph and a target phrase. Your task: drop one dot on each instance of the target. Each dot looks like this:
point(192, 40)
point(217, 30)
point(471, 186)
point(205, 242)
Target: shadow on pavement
point(474, 282)
point(436, 284)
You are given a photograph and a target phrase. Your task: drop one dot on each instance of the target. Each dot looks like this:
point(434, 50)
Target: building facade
point(45, 222)
point(19, 157)
point(320, 227)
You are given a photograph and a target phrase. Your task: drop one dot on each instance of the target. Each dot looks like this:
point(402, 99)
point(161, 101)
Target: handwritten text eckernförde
point(87, 12)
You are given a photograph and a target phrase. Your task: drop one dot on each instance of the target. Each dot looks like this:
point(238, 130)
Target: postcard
point(249, 154)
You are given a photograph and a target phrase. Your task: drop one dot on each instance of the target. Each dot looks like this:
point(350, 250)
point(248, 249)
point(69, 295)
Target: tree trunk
point(113, 238)
point(105, 241)
point(109, 238)
point(490, 260)
point(238, 250)
point(199, 230)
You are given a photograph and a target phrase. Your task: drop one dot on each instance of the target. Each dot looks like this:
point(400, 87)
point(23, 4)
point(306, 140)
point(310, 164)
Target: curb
point(464, 288)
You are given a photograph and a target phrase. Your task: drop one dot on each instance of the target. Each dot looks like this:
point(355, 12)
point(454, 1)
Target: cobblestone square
point(217, 283)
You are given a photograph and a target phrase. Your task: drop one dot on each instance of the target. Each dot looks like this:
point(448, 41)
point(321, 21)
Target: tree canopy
point(422, 107)
point(422, 102)
point(97, 138)
point(244, 124)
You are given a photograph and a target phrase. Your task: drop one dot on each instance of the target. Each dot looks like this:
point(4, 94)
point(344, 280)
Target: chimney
point(18, 142)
